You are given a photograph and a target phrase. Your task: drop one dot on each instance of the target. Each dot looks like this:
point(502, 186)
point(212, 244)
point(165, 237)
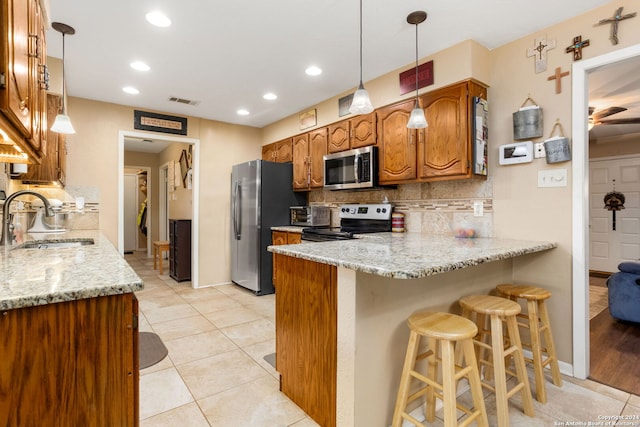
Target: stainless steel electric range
point(354, 219)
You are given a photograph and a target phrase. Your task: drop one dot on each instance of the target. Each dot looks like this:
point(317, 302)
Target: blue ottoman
point(624, 292)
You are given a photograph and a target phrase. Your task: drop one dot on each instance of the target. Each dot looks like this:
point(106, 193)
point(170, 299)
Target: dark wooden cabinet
point(357, 132)
point(72, 363)
point(280, 152)
point(52, 170)
point(397, 157)
point(24, 75)
point(180, 249)
point(446, 145)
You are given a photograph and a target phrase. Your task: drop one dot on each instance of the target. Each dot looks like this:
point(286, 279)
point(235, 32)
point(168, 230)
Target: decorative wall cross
point(539, 52)
point(558, 78)
point(617, 17)
point(576, 47)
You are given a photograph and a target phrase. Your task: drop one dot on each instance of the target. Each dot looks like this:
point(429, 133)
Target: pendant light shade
point(361, 104)
point(62, 124)
point(417, 120)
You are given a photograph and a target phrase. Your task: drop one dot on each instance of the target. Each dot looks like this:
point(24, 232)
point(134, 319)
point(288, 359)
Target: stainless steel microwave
point(357, 168)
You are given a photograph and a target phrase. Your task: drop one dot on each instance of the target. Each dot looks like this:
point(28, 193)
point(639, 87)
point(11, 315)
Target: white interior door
point(130, 207)
point(610, 247)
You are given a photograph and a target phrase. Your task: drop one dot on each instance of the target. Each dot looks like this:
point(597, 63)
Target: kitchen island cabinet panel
point(306, 319)
point(71, 363)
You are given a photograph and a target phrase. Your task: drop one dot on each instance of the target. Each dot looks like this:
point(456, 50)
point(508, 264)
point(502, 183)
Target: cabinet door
point(317, 150)
point(363, 130)
point(294, 238)
point(301, 162)
point(338, 136)
point(284, 151)
point(269, 152)
point(397, 157)
point(444, 150)
point(38, 85)
point(279, 237)
point(15, 101)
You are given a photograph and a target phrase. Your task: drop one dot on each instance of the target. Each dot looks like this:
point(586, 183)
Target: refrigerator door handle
point(236, 210)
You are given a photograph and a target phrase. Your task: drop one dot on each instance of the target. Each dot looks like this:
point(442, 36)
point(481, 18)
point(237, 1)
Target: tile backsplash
point(428, 207)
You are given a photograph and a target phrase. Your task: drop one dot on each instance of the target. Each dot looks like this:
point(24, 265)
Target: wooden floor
point(615, 352)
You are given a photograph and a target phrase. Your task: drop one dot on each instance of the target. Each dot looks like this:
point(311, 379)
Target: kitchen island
point(341, 310)
point(68, 332)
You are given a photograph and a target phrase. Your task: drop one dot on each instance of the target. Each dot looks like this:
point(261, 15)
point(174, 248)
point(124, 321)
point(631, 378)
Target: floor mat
point(152, 349)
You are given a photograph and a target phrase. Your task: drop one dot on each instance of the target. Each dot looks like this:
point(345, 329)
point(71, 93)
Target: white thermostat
point(517, 152)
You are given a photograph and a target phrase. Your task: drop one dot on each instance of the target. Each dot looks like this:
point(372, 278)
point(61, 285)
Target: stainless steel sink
point(50, 244)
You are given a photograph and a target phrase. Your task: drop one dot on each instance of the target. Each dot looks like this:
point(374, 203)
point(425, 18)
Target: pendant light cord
point(360, 42)
point(64, 82)
point(416, 65)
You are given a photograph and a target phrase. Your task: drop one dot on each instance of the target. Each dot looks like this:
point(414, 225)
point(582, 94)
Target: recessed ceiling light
point(270, 96)
point(130, 90)
point(313, 71)
point(140, 66)
point(158, 19)
point(242, 112)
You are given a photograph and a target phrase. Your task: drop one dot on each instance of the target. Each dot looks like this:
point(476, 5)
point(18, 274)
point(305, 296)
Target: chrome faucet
point(6, 238)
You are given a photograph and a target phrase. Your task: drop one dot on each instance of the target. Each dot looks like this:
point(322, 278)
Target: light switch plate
point(552, 178)
point(538, 150)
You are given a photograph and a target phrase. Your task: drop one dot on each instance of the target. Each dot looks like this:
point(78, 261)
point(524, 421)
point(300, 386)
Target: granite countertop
point(30, 277)
point(289, 228)
point(410, 255)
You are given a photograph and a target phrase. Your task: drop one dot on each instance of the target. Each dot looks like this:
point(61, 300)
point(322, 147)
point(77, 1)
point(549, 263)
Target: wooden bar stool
point(159, 246)
point(443, 331)
point(499, 310)
point(539, 329)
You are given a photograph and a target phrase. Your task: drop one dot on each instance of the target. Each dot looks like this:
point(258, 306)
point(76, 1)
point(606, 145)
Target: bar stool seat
point(159, 246)
point(499, 310)
point(443, 331)
point(539, 330)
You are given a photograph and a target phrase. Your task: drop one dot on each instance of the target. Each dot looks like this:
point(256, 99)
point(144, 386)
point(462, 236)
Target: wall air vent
point(183, 101)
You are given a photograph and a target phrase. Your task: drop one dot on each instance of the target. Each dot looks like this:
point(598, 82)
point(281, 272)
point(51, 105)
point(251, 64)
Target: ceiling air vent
point(183, 101)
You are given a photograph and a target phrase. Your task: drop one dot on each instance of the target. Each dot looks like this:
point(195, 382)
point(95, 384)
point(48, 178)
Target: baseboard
point(597, 273)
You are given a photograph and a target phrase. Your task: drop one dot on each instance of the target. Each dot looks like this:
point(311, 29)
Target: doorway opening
point(580, 199)
point(137, 198)
point(194, 182)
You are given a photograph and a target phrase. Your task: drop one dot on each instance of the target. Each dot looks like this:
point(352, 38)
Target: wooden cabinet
point(397, 153)
point(23, 76)
point(359, 131)
point(52, 168)
point(280, 152)
point(441, 151)
point(283, 238)
point(446, 146)
point(180, 249)
point(72, 363)
point(308, 165)
point(306, 335)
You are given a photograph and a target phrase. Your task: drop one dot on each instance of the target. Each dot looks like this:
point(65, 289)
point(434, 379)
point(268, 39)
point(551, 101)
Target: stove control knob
point(353, 210)
point(378, 210)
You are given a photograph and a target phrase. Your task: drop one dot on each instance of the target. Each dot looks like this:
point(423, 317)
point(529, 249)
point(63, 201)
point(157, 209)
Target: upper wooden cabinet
point(280, 151)
point(52, 169)
point(446, 145)
point(397, 153)
point(308, 164)
point(23, 76)
point(359, 131)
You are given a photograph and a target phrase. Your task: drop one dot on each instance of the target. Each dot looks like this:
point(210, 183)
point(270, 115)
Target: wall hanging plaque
point(527, 122)
point(614, 201)
point(557, 147)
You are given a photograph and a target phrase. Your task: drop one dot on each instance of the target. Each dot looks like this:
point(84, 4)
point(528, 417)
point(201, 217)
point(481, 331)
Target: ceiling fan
point(596, 118)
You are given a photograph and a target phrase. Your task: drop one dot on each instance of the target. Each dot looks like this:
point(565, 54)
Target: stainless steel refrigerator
point(261, 194)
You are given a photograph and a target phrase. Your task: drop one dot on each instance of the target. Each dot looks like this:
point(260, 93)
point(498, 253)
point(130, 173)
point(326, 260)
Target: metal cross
point(617, 17)
point(539, 52)
point(576, 47)
point(558, 78)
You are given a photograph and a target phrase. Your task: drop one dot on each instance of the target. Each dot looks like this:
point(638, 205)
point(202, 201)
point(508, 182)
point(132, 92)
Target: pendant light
point(62, 124)
point(417, 120)
point(361, 103)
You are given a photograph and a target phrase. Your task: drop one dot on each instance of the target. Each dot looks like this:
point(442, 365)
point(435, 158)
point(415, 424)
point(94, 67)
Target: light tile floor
point(215, 374)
